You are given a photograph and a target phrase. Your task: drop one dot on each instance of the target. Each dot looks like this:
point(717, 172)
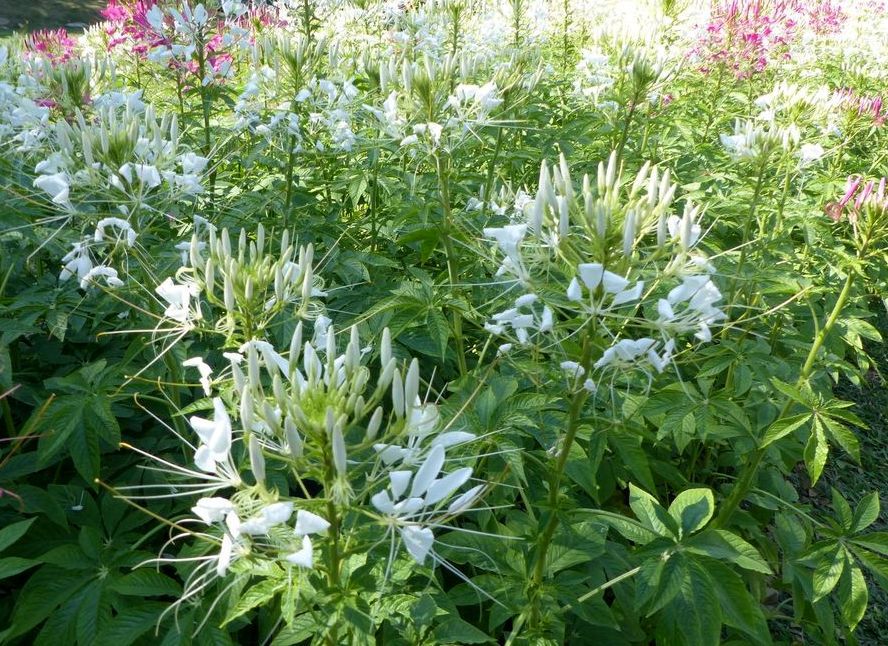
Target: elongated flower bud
point(294, 441)
point(374, 424)
point(257, 460)
point(398, 394)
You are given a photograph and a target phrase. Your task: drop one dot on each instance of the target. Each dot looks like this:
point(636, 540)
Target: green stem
point(748, 476)
point(573, 425)
point(452, 260)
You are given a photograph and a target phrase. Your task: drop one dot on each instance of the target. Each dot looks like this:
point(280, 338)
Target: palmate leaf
point(739, 609)
point(692, 509)
point(723, 545)
point(784, 426)
point(651, 513)
point(694, 615)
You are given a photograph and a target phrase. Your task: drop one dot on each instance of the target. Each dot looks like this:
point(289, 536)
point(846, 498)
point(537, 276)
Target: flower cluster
point(745, 36)
point(634, 278)
point(54, 45)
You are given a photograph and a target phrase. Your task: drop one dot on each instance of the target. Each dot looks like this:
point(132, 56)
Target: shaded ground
point(28, 15)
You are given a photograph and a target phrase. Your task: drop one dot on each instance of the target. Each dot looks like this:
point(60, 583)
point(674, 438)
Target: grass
point(30, 15)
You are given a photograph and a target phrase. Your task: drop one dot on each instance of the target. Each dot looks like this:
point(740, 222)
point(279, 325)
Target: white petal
point(278, 512)
point(418, 541)
point(452, 438)
point(466, 499)
point(304, 557)
point(383, 502)
point(574, 291)
point(224, 555)
point(212, 510)
point(309, 523)
point(591, 273)
point(444, 487)
point(203, 458)
point(429, 470)
point(399, 481)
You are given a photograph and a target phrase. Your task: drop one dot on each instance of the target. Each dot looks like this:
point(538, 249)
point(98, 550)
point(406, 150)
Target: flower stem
point(573, 425)
point(452, 260)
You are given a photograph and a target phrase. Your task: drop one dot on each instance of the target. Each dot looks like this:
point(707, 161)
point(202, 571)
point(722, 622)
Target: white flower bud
point(294, 441)
point(257, 460)
point(374, 424)
point(385, 348)
point(398, 394)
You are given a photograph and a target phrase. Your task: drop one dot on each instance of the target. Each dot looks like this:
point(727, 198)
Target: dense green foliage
point(531, 327)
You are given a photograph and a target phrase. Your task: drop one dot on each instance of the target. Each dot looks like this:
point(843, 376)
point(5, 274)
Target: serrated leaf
point(692, 509)
point(853, 596)
point(132, 623)
point(874, 541)
point(454, 630)
point(842, 509)
point(867, 512)
point(146, 582)
point(257, 595)
point(783, 427)
point(651, 513)
point(12, 565)
point(632, 454)
point(628, 528)
point(723, 545)
point(11, 533)
point(843, 436)
point(816, 452)
point(827, 572)
point(739, 609)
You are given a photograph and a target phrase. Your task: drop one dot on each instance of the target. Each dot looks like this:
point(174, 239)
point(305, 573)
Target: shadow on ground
point(29, 15)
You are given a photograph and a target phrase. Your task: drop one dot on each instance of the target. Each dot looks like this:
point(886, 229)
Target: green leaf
point(148, 583)
point(792, 392)
point(632, 454)
point(816, 452)
point(12, 565)
point(11, 533)
point(843, 436)
point(723, 545)
point(651, 513)
point(83, 445)
point(842, 509)
point(628, 528)
point(853, 596)
point(866, 513)
point(874, 541)
point(783, 427)
point(132, 623)
point(658, 582)
point(827, 572)
point(454, 630)
point(42, 594)
point(88, 613)
point(694, 616)
point(738, 607)
point(692, 509)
